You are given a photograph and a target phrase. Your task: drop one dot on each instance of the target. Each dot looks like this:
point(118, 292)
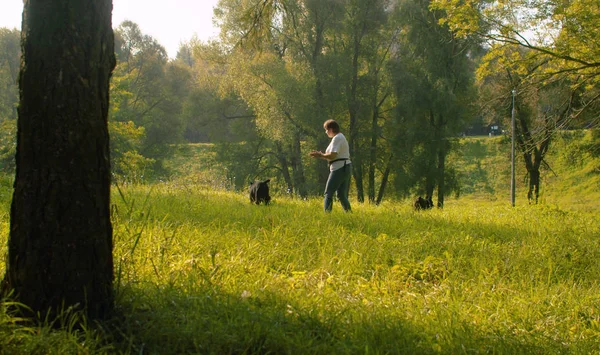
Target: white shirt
point(339, 145)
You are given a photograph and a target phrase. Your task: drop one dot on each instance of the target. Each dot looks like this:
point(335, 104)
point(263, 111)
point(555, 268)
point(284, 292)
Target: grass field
point(201, 270)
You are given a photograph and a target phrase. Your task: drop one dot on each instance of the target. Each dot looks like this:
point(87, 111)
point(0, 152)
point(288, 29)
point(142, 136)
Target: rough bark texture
point(60, 243)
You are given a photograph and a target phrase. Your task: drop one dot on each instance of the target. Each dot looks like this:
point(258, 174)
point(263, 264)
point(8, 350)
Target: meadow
point(201, 270)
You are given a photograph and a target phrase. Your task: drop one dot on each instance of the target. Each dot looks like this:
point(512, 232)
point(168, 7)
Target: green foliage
point(433, 80)
point(8, 145)
point(556, 35)
point(146, 95)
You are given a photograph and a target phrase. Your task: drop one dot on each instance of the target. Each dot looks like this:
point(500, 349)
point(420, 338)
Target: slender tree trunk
point(384, 181)
point(60, 243)
point(373, 149)
point(322, 174)
point(431, 148)
point(441, 176)
point(298, 167)
point(285, 169)
point(353, 114)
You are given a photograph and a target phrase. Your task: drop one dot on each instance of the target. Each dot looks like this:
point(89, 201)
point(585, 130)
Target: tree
point(148, 92)
point(60, 242)
point(296, 33)
point(434, 79)
point(560, 34)
point(360, 37)
point(540, 109)
point(549, 52)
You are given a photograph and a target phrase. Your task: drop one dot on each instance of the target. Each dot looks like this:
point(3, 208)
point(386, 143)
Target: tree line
point(404, 79)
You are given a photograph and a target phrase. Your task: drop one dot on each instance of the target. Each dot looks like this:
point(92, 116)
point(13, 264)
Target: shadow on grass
point(168, 321)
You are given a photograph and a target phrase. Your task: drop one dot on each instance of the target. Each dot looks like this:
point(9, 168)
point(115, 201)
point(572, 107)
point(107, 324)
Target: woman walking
point(337, 155)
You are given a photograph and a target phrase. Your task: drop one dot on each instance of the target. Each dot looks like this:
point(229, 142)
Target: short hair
point(333, 125)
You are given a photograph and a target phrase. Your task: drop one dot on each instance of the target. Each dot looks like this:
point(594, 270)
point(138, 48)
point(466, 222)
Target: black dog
point(259, 192)
point(423, 203)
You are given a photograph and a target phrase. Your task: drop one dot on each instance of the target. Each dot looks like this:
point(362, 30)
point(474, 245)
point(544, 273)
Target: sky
point(170, 22)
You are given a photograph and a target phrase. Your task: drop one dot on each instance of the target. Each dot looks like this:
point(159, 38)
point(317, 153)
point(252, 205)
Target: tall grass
point(206, 272)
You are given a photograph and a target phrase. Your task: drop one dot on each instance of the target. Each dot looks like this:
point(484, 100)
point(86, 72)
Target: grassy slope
point(570, 179)
point(203, 271)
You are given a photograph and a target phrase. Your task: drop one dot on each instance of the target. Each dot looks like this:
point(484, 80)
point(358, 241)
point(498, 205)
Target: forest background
point(403, 81)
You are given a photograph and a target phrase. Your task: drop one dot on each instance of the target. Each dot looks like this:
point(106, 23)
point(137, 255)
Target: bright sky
point(170, 22)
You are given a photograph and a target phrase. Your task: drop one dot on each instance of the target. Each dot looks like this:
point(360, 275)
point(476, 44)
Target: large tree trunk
point(60, 243)
point(534, 186)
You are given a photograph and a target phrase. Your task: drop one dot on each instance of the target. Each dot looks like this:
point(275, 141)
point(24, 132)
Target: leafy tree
point(361, 24)
point(60, 242)
point(560, 34)
point(549, 52)
point(277, 80)
point(434, 79)
point(148, 91)
point(539, 109)
point(213, 111)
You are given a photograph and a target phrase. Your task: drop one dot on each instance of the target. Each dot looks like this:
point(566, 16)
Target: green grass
point(205, 272)
point(201, 270)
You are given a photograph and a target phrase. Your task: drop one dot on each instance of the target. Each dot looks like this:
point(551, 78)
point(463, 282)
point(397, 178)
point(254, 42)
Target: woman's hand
point(316, 154)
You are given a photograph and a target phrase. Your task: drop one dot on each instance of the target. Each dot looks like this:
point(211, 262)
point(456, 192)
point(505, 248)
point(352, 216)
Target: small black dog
point(259, 192)
point(423, 203)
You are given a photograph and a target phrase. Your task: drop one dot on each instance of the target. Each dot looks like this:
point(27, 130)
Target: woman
point(337, 155)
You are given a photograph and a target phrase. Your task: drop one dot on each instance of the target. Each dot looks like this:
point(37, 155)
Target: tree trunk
point(533, 155)
point(534, 186)
point(353, 106)
point(297, 167)
point(285, 169)
point(384, 181)
point(373, 150)
point(441, 176)
point(60, 243)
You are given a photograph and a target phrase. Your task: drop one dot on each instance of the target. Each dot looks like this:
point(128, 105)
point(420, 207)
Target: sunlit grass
point(201, 271)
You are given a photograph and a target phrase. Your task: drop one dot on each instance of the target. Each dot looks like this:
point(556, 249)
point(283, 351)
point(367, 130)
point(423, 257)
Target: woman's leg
point(342, 191)
point(336, 178)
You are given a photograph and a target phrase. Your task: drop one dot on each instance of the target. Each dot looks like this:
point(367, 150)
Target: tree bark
point(441, 188)
point(384, 181)
point(285, 169)
point(60, 242)
point(353, 106)
point(373, 149)
point(298, 167)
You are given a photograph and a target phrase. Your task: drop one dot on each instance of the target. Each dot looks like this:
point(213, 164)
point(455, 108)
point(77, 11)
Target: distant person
point(337, 155)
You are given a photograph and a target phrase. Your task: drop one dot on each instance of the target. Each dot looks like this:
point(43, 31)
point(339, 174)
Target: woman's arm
point(321, 155)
